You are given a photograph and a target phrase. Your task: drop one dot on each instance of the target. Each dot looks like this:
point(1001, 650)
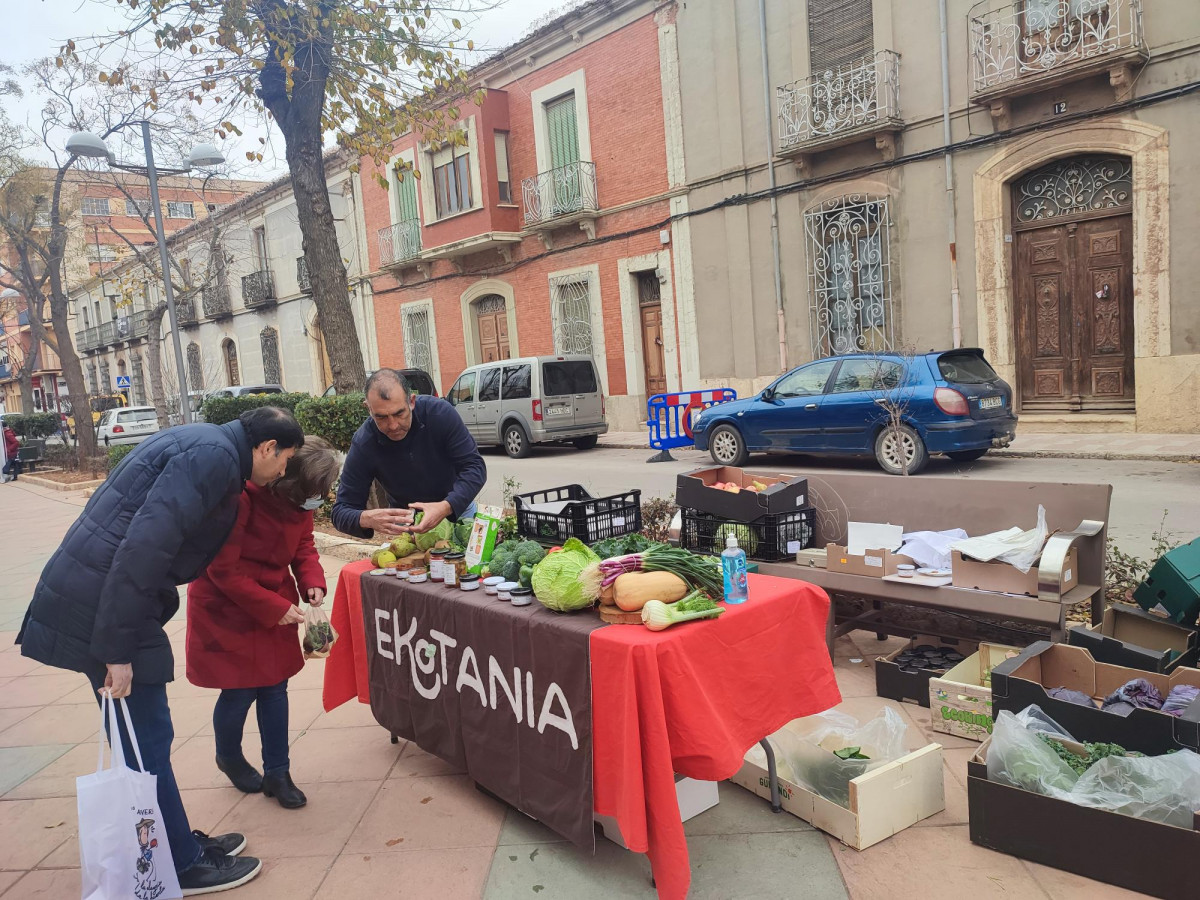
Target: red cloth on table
point(346, 667)
point(693, 699)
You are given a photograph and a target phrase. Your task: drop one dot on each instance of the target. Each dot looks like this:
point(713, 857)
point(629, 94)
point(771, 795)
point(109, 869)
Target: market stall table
point(688, 700)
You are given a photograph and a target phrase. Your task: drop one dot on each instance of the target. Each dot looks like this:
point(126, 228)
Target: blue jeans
point(151, 719)
point(271, 706)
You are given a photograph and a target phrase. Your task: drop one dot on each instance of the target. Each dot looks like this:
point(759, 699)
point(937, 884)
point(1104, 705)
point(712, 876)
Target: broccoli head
point(530, 553)
point(505, 564)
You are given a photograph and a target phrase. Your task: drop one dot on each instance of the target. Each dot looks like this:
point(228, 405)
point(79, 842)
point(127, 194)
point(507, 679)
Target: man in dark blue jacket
point(104, 597)
point(420, 451)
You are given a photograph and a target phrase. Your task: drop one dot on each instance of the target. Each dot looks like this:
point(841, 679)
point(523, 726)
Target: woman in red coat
point(242, 615)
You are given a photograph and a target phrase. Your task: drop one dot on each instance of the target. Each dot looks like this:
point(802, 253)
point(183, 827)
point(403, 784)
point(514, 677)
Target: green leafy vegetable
point(746, 538)
point(621, 546)
point(318, 637)
point(658, 616)
point(850, 753)
point(556, 579)
point(443, 531)
point(462, 533)
point(1094, 753)
point(525, 576)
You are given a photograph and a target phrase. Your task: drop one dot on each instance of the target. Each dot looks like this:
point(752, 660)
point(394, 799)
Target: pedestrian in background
point(102, 601)
point(12, 464)
point(243, 614)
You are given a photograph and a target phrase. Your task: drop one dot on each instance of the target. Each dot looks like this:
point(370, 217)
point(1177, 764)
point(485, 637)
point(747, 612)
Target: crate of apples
point(732, 487)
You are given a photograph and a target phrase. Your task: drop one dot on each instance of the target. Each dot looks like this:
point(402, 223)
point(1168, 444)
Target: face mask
point(312, 503)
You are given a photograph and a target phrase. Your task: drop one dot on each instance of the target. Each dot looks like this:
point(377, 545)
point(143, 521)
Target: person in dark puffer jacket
point(101, 603)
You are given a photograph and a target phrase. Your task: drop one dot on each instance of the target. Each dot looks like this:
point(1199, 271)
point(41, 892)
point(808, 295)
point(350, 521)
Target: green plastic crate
point(1173, 586)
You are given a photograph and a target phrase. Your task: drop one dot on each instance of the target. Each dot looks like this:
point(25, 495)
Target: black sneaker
point(230, 844)
point(215, 872)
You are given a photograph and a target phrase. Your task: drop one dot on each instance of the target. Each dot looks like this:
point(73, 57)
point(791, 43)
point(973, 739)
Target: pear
point(383, 559)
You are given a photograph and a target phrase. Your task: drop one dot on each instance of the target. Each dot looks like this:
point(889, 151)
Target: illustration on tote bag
point(148, 886)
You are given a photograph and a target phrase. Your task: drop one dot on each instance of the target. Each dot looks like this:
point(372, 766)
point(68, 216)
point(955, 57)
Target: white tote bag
point(123, 849)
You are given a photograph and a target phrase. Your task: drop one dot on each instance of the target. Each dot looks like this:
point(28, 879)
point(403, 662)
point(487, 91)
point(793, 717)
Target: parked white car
point(127, 425)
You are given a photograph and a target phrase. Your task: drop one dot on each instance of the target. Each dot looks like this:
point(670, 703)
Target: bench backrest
point(922, 503)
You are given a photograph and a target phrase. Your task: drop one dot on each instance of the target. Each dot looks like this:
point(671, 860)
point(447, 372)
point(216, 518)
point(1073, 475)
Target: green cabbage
point(556, 579)
point(443, 531)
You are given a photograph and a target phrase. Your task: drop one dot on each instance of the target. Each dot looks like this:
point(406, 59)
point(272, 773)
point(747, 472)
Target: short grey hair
point(384, 381)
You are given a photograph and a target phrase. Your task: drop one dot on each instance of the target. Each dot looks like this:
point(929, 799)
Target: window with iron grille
point(195, 373)
point(95, 206)
point(572, 315)
point(418, 346)
point(180, 209)
point(840, 33)
point(451, 180)
point(850, 275)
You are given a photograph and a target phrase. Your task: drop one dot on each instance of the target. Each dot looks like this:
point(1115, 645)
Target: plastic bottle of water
point(733, 567)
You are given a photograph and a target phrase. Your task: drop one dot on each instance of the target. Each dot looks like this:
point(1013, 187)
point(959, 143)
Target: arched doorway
point(491, 327)
point(1072, 223)
point(233, 374)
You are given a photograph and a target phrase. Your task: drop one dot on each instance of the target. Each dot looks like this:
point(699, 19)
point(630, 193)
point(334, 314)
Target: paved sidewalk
point(1160, 447)
point(389, 820)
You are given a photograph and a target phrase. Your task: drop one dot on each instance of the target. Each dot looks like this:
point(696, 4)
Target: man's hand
point(316, 596)
point(119, 680)
point(292, 617)
point(434, 513)
point(390, 522)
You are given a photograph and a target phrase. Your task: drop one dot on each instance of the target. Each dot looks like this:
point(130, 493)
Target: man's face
point(393, 416)
point(270, 462)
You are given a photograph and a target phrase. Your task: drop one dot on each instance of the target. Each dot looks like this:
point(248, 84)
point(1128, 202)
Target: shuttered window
point(840, 33)
point(562, 131)
point(406, 195)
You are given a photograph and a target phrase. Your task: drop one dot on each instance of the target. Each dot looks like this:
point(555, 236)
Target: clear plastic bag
point(804, 750)
point(1014, 546)
point(319, 635)
point(1157, 788)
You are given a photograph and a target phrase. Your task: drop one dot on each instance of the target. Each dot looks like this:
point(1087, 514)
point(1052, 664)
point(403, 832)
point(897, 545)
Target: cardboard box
point(883, 802)
point(1026, 680)
point(1173, 585)
point(1004, 578)
point(1128, 636)
point(908, 687)
point(960, 702)
point(1142, 856)
point(784, 493)
point(694, 798)
point(873, 563)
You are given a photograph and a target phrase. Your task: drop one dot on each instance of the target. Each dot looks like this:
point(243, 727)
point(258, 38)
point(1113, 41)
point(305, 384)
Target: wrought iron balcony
point(560, 196)
point(302, 278)
point(400, 243)
point(839, 106)
point(1029, 45)
point(258, 290)
point(185, 312)
point(131, 327)
point(85, 340)
point(214, 298)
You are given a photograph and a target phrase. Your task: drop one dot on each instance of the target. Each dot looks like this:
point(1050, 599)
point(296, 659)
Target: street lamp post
point(85, 143)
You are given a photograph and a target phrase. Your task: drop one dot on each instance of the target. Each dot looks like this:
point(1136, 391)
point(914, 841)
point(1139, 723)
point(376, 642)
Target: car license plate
point(557, 410)
point(991, 402)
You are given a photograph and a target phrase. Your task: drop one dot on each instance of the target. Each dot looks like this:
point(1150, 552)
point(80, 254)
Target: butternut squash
point(633, 590)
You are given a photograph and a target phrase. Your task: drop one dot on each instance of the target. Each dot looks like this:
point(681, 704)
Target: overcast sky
point(37, 28)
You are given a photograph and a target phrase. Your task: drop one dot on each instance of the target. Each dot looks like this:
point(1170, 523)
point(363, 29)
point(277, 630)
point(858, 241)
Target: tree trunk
point(72, 369)
point(25, 380)
point(154, 362)
point(298, 114)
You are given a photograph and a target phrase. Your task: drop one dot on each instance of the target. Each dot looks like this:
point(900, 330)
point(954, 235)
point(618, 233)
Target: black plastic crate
point(773, 538)
point(585, 517)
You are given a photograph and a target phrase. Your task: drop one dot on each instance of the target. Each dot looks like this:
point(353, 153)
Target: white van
point(516, 403)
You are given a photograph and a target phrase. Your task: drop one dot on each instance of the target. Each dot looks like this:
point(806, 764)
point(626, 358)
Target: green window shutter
point(562, 131)
point(840, 33)
point(407, 197)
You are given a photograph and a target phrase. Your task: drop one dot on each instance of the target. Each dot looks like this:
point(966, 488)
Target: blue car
point(899, 409)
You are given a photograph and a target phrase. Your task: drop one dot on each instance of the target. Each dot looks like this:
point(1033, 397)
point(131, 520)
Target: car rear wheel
point(727, 446)
point(899, 450)
point(516, 441)
point(586, 443)
point(967, 455)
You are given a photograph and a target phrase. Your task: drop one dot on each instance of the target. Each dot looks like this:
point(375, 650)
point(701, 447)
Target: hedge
point(118, 453)
point(32, 426)
point(334, 418)
point(219, 410)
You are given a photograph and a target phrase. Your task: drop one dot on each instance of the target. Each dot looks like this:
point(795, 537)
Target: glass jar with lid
point(454, 567)
point(436, 561)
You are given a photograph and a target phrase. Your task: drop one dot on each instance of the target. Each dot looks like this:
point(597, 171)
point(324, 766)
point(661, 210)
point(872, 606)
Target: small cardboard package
point(960, 702)
point(1004, 578)
point(485, 532)
point(1143, 856)
point(1128, 636)
point(1043, 666)
point(876, 563)
point(913, 687)
point(783, 494)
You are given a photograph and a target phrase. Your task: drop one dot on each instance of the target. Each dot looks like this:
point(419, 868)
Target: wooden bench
point(1077, 514)
point(31, 454)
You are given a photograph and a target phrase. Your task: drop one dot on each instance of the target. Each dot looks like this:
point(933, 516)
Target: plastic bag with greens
point(556, 582)
point(806, 750)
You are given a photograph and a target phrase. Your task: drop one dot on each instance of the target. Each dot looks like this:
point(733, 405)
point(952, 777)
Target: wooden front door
point(491, 324)
point(653, 366)
point(1073, 283)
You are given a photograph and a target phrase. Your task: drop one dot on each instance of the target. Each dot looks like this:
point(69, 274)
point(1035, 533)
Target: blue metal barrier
point(670, 416)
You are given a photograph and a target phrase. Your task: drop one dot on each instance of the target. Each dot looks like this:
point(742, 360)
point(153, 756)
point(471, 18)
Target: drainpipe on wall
point(782, 324)
point(951, 201)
